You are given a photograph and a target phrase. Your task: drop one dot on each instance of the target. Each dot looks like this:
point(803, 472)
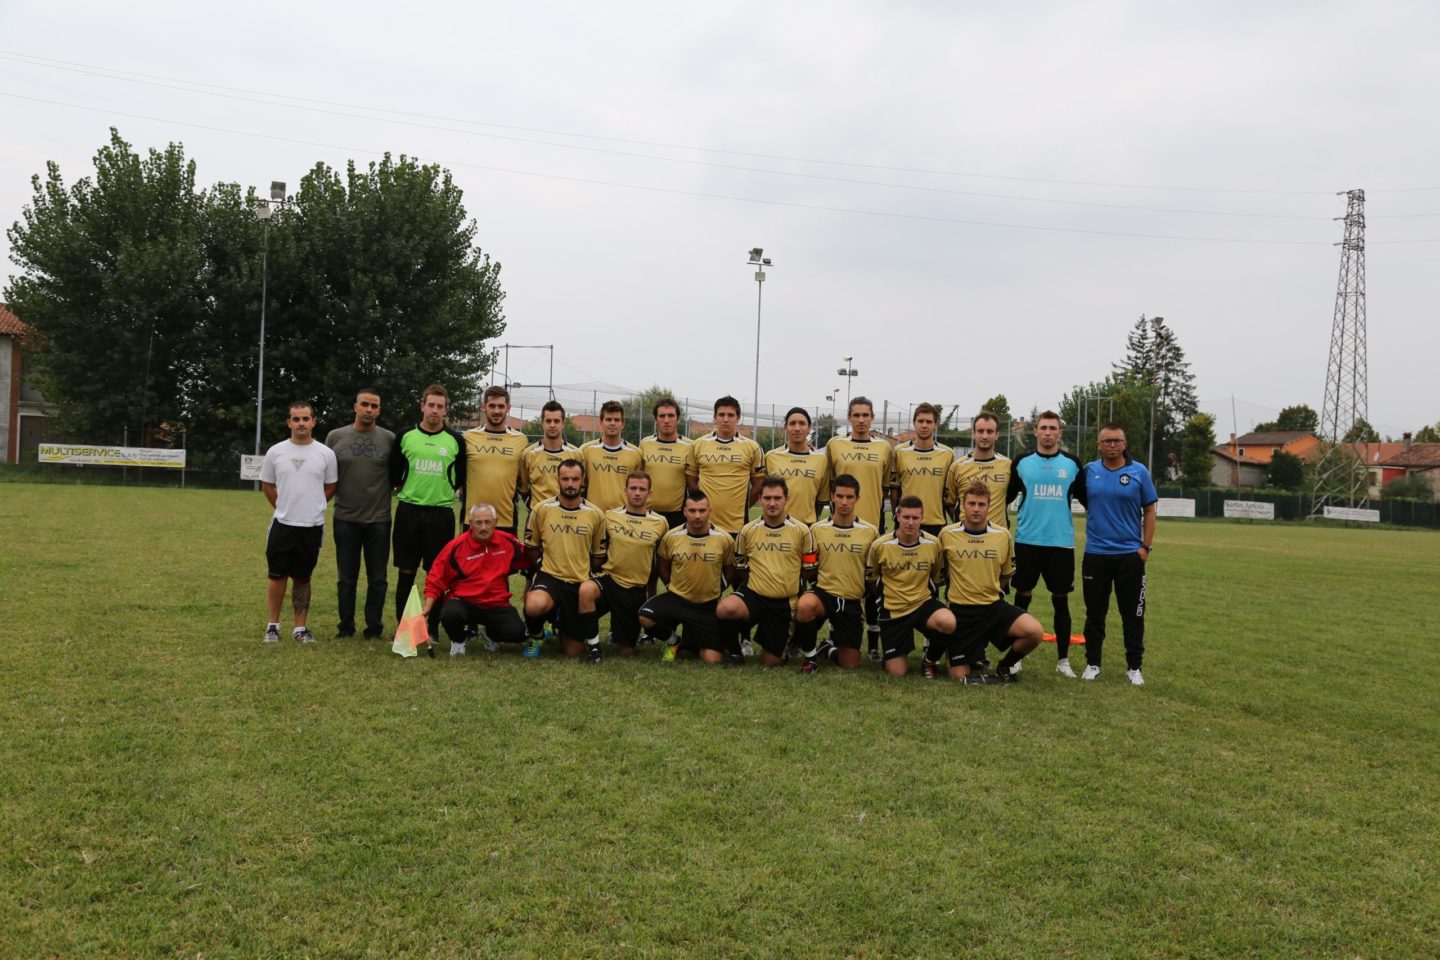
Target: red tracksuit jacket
point(466, 570)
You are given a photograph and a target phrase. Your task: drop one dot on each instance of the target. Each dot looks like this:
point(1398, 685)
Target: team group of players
point(610, 520)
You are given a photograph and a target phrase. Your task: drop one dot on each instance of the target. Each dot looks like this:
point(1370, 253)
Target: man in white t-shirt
point(299, 478)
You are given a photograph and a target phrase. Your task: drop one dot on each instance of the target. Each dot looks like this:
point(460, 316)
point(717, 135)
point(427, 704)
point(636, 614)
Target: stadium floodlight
point(277, 189)
point(760, 262)
point(263, 212)
point(755, 253)
point(849, 373)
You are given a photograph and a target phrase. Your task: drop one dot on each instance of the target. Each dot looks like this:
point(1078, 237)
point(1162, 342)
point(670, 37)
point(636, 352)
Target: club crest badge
point(1125, 480)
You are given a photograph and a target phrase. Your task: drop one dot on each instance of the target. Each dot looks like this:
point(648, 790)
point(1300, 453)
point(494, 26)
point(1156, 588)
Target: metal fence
point(1210, 502)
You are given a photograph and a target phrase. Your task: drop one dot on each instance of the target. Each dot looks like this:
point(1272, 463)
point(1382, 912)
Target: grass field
point(172, 787)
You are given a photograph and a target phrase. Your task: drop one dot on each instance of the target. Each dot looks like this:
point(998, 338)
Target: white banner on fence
point(1249, 510)
point(73, 453)
point(250, 466)
point(1352, 513)
point(1175, 507)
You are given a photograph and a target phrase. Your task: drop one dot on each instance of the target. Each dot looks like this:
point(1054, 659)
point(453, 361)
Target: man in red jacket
point(472, 575)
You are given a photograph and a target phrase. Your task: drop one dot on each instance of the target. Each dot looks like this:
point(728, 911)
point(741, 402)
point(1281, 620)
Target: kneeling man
point(471, 575)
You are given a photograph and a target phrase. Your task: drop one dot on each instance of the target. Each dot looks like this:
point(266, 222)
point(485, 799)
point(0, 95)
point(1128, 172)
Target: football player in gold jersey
point(867, 459)
point(667, 457)
point(805, 469)
point(908, 566)
point(841, 542)
point(609, 459)
point(492, 459)
point(980, 560)
point(920, 466)
point(727, 467)
point(565, 540)
point(774, 555)
point(695, 561)
point(541, 459)
point(984, 463)
point(633, 534)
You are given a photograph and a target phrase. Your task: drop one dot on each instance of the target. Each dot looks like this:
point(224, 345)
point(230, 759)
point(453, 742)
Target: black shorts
point(419, 534)
point(932, 528)
point(977, 625)
point(897, 635)
point(623, 604)
point(567, 603)
point(844, 618)
point(771, 617)
point(702, 629)
point(292, 551)
point(1055, 564)
point(673, 518)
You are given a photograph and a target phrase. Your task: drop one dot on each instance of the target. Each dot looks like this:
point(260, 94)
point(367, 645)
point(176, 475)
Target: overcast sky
point(966, 202)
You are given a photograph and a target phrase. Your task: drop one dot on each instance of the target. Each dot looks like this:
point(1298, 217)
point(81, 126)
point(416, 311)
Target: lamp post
point(760, 262)
point(832, 396)
point(849, 373)
point(263, 212)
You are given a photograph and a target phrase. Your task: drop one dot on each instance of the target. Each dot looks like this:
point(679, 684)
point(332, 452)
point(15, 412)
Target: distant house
point(1411, 459)
point(1244, 461)
point(22, 409)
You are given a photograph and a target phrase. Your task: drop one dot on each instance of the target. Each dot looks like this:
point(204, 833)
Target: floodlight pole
point(760, 262)
point(263, 211)
point(849, 373)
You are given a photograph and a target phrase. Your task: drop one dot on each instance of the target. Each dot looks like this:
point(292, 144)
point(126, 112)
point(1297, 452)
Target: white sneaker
point(1135, 677)
point(490, 646)
point(457, 649)
point(1015, 670)
point(272, 633)
point(1092, 672)
point(1062, 667)
point(747, 648)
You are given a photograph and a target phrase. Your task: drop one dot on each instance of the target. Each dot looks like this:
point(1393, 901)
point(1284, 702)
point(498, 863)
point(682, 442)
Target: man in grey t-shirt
point(362, 513)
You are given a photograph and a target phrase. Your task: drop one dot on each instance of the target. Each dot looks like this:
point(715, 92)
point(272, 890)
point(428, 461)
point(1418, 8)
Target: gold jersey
point(867, 461)
point(667, 462)
point(605, 471)
point(697, 564)
point(994, 473)
point(632, 539)
point(840, 552)
point(908, 575)
point(976, 562)
point(492, 470)
point(569, 537)
point(922, 473)
point(725, 469)
point(775, 556)
point(807, 475)
point(538, 468)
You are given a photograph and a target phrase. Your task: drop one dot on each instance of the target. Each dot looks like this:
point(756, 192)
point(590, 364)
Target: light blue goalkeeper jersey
point(1047, 484)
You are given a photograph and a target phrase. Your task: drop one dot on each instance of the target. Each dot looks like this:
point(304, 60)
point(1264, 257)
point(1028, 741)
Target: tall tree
point(1088, 406)
point(1286, 471)
point(145, 292)
point(1291, 419)
point(999, 406)
point(1154, 357)
point(1361, 432)
point(1430, 433)
point(1196, 460)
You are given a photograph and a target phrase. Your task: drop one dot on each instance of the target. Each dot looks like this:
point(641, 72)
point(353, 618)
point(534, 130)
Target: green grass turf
point(172, 787)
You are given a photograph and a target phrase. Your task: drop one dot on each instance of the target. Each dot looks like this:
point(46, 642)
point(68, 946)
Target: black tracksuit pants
point(1125, 574)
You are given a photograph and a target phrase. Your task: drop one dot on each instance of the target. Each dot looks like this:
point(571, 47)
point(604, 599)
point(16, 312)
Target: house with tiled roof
point(22, 409)
point(1245, 460)
point(1412, 459)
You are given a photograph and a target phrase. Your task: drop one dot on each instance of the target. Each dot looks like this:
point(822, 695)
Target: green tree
point(1154, 358)
point(1410, 487)
point(1195, 457)
point(1286, 471)
point(1297, 418)
point(1361, 432)
point(639, 411)
point(145, 292)
point(534, 430)
point(1088, 406)
point(999, 406)
point(1428, 434)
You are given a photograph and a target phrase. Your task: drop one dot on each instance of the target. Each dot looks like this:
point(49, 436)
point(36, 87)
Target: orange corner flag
point(412, 631)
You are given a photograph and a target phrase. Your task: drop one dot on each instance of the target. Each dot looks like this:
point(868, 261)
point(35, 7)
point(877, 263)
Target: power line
point(695, 193)
point(185, 85)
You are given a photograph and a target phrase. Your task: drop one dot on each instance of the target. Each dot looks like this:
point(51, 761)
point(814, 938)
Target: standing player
point(471, 576)
point(805, 469)
point(298, 477)
point(695, 561)
point(542, 458)
point(1045, 480)
point(908, 566)
point(566, 543)
point(609, 459)
point(920, 467)
point(727, 467)
point(867, 459)
point(985, 464)
point(667, 458)
point(774, 556)
point(1119, 534)
point(492, 459)
point(633, 533)
point(841, 543)
point(428, 468)
point(362, 513)
point(979, 560)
